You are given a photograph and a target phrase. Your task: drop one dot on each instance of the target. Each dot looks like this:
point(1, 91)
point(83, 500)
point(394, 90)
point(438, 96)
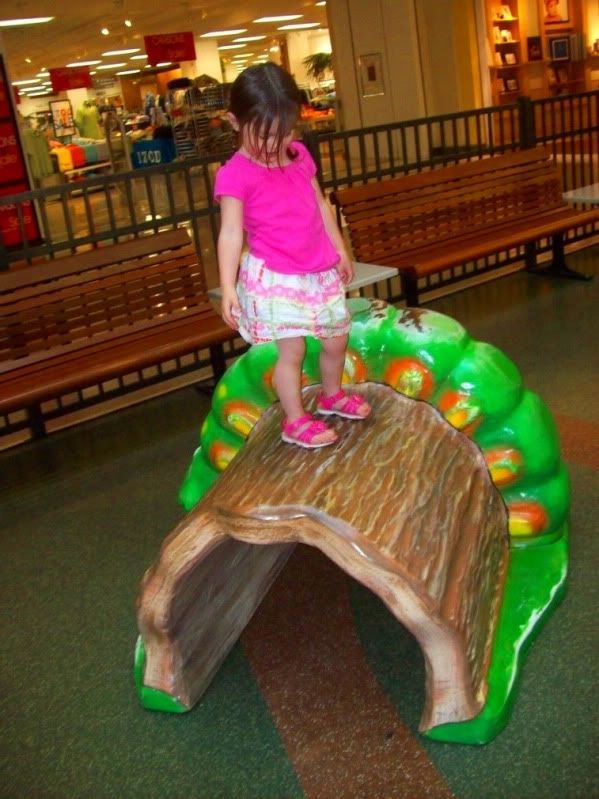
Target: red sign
point(11, 160)
point(170, 47)
point(5, 110)
point(10, 230)
point(13, 175)
point(65, 78)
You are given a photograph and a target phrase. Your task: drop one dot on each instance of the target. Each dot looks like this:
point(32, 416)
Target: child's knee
point(334, 346)
point(291, 350)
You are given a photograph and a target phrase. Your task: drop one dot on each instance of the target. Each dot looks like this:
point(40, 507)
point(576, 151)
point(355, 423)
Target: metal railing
point(112, 208)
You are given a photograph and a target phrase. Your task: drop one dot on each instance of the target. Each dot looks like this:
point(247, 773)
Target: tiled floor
point(83, 515)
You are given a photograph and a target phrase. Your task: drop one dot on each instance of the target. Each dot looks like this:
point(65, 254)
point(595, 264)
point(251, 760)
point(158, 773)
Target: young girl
point(291, 283)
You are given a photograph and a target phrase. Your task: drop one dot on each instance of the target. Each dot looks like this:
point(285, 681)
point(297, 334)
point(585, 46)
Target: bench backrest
point(391, 220)
point(98, 299)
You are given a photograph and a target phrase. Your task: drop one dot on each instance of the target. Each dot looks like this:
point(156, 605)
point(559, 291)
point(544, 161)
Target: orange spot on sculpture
point(411, 377)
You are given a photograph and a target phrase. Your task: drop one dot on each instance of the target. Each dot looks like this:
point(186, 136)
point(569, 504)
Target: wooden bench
point(426, 223)
point(100, 315)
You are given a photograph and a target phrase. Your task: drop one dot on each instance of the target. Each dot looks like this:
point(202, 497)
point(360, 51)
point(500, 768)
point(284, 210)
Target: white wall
point(207, 61)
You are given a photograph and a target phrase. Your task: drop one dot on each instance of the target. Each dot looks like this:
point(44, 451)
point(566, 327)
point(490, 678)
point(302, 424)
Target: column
point(207, 61)
point(403, 59)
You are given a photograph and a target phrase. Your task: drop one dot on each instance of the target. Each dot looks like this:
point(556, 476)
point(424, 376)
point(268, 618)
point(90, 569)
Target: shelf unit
point(505, 38)
point(515, 30)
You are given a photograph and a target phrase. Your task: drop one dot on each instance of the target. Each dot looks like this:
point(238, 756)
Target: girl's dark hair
point(261, 96)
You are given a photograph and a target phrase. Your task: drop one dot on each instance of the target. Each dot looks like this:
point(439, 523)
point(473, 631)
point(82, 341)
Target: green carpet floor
point(83, 514)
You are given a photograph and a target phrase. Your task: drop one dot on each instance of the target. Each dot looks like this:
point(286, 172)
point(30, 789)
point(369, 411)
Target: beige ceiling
point(75, 31)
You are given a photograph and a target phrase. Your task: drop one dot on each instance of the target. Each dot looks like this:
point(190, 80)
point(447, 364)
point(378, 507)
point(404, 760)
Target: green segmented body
point(424, 355)
point(429, 356)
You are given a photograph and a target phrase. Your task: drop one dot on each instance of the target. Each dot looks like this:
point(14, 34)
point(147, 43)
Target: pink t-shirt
point(281, 216)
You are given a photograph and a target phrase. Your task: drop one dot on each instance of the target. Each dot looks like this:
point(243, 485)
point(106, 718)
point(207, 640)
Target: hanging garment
point(87, 120)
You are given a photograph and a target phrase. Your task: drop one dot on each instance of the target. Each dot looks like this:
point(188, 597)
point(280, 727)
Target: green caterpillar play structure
point(430, 357)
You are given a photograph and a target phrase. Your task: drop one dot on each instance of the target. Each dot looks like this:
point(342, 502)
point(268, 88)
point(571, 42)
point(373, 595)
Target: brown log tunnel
point(403, 503)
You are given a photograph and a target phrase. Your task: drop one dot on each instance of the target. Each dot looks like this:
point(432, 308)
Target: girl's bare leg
point(287, 380)
point(287, 377)
point(332, 359)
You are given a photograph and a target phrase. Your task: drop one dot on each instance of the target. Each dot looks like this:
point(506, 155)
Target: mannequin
point(88, 121)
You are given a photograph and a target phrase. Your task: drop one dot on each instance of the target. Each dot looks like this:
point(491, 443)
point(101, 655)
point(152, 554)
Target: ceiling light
point(138, 57)
point(250, 38)
point(83, 63)
point(25, 82)
point(28, 61)
point(230, 46)
point(284, 18)
point(122, 52)
point(321, 3)
point(129, 72)
point(15, 23)
point(237, 56)
point(43, 74)
point(128, 23)
point(113, 66)
point(104, 31)
point(93, 72)
point(298, 26)
point(39, 94)
point(216, 34)
point(164, 64)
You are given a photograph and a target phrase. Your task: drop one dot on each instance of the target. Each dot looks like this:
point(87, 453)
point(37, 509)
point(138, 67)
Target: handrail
point(136, 203)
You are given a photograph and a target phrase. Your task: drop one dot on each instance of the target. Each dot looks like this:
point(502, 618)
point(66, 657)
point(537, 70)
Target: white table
point(584, 194)
point(364, 275)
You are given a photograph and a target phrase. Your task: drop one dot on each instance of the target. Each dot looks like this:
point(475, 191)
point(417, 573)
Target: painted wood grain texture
point(403, 503)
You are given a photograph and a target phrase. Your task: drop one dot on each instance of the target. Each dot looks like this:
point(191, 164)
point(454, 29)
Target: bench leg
point(410, 288)
point(530, 256)
point(218, 360)
point(558, 267)
point(36, 421)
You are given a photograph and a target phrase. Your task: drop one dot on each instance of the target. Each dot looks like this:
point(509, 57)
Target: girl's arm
point(344, 267)
point(230, 242)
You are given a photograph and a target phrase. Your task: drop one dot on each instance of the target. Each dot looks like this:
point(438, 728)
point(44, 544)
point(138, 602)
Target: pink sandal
point(304, 430)
point(349, 406)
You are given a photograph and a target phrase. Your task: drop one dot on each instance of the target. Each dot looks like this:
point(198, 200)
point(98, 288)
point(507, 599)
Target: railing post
point(526, 115)
point(310, 141)
point(3, 254)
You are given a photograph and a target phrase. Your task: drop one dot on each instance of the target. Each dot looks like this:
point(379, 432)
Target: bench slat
point(134, 332)
point(413, 230)
point(93, 259)
point(433, 220)
point(78, 369)
point(85, 319)
point(433, 259)
point(443, 191)
point(469, 170)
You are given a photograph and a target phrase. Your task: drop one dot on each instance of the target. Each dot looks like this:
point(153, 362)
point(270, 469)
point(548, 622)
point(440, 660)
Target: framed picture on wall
point(534, 48)
point(371, 74)
point(559, 48)
point(62, 118)
point(557, 12)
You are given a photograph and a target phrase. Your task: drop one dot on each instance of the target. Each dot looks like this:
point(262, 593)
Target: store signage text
point(170, 47)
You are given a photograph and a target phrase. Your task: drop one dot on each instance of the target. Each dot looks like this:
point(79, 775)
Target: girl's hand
point(345, 268)
point(230, 307)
